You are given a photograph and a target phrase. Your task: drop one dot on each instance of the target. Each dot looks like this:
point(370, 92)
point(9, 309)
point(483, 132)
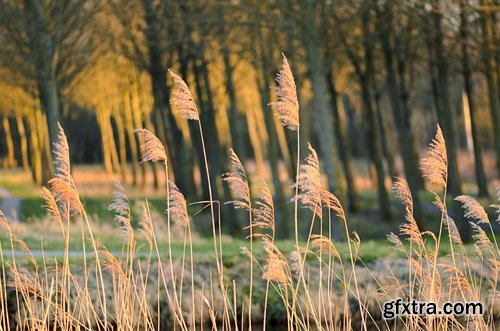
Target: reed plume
point(238, 183)
point(396, 241)
point(51, 206)
point(26, 283)
point(21, 245)
point(111, 264)
point(182, 99)
point(324, 245)
point(120, 205)
point(146, 224)
point(481, 238)
point(66, 193)
point(184, 103)
point(62, 185)
point(61, 152)
point(473, 209)
point(4, 223)
point(435, 165)
point(264, 213)
point(287, 106)
point(453, 230)
point(152, 148)
point(309, 183)
point(410, 228)
point(497, 206)
point(178, 207)
point(333, 203)
point(276, 266)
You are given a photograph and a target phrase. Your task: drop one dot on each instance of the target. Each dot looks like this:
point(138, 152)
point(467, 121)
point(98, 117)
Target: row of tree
point(361, 68)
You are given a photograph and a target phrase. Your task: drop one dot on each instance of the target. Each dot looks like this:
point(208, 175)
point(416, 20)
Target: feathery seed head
point(394, 239)
point(264, 211)
point(62, 185)
point(151, 149)
point(494, 270)
point(65, 192)
point(287, 105)
point(439, 203)
point(276, 265)
point(51, 205)
point(309, 182)
point(481, 238)
point(178, 207)
point(21, 245)
point(126, 230)
point(497, 206)
point(4, 223)
point(453, 230)
point(411, 230)
point(119, 204)
point(25, 283)
point(182, 98)
point(402, 190)
point(62, 163)
point(435, 165)
point(473, 209)
point(295, 263)
point(333, 203)
point(111, 264)
point(146, 224)
point(238, 183)
point(324, 245)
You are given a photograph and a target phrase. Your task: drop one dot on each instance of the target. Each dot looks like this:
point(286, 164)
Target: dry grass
point(317, 287)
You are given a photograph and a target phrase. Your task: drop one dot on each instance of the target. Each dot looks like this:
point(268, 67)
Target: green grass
point(32, 207)
point(370, 250)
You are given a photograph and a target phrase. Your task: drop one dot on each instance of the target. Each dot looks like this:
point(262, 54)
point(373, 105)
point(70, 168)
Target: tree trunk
point(24, 142)
point(122, 147)
point(263, 63)
point(491, 77)
point(47, 164)
point(353, 129)
point(128, 126)
point(255, 141)
point(215, 154)
point(398, 98)
point(236, 119)
point(166, 127)
point(148, 125)
point(481, 180)
point(445, 112)
point(374, 145)
point(10, 160)
point(44, 51)
point(154, 165)
point(387, 148)
point(375, 150)
point(106, 152)
point(323, 121)
point(440, 82)
point(35, 148)
point(343, 147)
point(410, 154)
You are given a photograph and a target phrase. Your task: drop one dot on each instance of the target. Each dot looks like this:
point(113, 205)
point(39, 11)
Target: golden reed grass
point(124, 292)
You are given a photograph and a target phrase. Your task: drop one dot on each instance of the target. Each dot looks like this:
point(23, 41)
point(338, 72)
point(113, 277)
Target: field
point(249, 165)
point(85, 246)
